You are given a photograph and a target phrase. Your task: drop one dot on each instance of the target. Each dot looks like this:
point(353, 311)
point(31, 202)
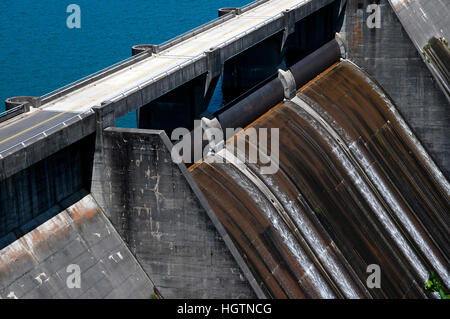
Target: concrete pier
point(312, 32)
point(244, 71)
point(178, 108)
point(149, 201)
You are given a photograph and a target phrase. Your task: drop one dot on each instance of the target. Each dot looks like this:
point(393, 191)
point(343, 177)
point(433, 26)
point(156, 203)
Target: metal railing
point(146, 82)
point(208, 25)
point(45, 133)
point(115, 67)
point(22, 108)
point(164, 45)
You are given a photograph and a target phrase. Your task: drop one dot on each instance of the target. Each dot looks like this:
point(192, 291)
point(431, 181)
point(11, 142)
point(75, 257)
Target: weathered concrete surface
point(44, 189)
point(422, 20)
point(35, 266)
point(150, 203)
point(354, 188)
point(391, 58)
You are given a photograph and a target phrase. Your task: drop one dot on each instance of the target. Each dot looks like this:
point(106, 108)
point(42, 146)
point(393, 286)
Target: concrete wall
point(43, 188)
point(152, 206)
point(422, 20)
point(391, 58)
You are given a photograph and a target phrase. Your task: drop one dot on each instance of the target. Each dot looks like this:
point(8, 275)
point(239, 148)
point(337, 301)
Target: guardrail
point(45, 133)
point(20, 109)
point(192, 33)
point(208, 25)
point(200, 55)
point(93, 77)
point(252, 5)
point(147, 82)
point(48, 97)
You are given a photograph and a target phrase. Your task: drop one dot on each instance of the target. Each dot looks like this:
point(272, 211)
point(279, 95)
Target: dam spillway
point(353, 189)
point(341, 187)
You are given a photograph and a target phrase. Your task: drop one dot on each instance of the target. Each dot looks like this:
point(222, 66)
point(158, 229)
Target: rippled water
point(39, 53)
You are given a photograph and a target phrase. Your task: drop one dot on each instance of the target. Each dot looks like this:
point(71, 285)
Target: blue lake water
point(39, 53)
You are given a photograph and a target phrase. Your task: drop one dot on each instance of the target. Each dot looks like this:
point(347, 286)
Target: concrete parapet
point(139, 48)
point(224, 11)
point(43, 145)
point(196, 31)
point(16, 101)
point(13, 112)
point(93, 77)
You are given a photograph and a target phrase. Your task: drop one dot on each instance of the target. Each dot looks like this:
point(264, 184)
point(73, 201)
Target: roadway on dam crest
point(20, 130)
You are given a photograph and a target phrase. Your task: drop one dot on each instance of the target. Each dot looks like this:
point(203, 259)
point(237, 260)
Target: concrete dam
point(356, 184)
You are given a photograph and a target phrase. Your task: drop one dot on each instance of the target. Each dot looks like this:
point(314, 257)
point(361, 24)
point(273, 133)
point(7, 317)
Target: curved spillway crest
point(355, 193)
